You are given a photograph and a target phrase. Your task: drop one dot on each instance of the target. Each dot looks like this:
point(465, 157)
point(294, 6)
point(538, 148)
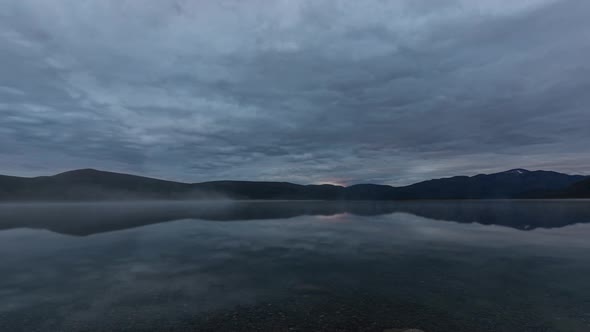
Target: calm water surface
point(296, 266)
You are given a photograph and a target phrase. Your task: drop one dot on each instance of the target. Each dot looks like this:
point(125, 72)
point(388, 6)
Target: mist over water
point(275, 266)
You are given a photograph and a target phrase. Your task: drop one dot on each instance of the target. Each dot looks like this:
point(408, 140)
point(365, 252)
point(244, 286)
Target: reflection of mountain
point(90, 185)
point(92, 218)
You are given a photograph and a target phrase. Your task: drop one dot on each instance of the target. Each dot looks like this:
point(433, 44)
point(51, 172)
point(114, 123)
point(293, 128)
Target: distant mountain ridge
point(91, 184)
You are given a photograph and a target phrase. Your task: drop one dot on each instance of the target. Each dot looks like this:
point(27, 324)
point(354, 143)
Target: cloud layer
point(337, 91)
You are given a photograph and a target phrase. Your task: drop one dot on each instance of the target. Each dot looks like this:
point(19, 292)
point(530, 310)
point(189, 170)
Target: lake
point(296, 266)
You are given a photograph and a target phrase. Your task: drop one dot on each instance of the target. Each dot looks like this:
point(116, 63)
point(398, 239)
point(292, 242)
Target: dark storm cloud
point(305, 91)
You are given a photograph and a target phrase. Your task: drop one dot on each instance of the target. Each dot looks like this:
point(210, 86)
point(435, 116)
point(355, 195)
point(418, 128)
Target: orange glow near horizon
point(333, 182)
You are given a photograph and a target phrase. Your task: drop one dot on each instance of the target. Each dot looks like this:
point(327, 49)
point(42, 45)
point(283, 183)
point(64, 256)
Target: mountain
point(267, 190)
point(508, 184)
point(90, 184)
point(580, 189)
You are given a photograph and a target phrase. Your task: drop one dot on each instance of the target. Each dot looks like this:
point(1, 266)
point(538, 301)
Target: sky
point(308, 91)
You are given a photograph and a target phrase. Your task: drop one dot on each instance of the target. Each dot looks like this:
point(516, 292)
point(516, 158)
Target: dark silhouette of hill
point(580, 189)
point(509, 184)
point(90, 184)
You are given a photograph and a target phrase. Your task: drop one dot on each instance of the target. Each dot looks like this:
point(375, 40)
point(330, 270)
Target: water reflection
point(92, 218)
point(328, 267)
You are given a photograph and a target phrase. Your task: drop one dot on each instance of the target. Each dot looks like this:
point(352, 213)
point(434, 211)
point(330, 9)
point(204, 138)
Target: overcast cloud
point(340, 91)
